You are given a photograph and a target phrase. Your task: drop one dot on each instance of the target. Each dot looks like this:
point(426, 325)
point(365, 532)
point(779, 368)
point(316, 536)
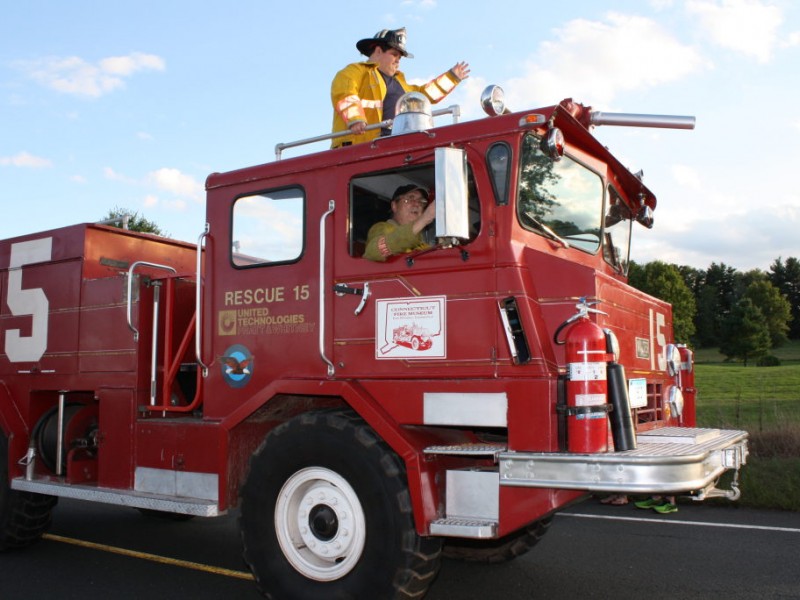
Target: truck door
point(261, 285)
point(404, 313)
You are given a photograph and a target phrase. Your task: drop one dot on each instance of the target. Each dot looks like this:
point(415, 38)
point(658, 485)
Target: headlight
point(553, 144)
point(612, 344)
point(672, 357)
point(675, 399)
point(493, 100)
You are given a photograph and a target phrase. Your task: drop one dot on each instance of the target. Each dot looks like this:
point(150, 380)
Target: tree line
point(744, 314)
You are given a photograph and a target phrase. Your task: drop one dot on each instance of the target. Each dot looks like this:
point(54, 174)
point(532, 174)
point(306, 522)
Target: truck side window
point(368, 206)
point(268, 227)
point(498, 157)
point(562, 198)
point(370, 200)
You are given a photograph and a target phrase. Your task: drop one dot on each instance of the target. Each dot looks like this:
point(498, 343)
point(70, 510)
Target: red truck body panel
point(417, 346)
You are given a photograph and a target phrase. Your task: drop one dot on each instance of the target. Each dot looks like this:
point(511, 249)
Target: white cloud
point(175, 182)
point(594, 61)
point(793, 39)
point(746, 26)
point(75, 76)
point(686, 235)
point(128, 65)
point(78, 179)
point(183, 188)
point(686, 176)
point(25, 160)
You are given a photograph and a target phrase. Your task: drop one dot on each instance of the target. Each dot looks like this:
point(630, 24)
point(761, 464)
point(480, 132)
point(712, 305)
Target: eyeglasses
point(414, 200)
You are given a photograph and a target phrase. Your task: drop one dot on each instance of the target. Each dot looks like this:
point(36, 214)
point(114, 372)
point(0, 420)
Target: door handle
point(340, 289)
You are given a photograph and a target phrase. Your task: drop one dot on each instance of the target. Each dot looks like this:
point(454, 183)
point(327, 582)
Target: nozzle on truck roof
point(635, 120)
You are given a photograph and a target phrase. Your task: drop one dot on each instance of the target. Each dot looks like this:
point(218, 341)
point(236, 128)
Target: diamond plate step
point(678, 435)
point(466, 528)
point(476, 449)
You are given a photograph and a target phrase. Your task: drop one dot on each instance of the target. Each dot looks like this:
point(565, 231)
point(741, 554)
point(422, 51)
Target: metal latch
point(342, 288)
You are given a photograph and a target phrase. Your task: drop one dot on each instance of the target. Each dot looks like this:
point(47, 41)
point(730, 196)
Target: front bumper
point(671, 460)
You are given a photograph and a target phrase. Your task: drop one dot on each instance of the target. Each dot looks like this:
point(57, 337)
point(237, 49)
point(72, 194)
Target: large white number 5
point(658, 340)
point(31, 302)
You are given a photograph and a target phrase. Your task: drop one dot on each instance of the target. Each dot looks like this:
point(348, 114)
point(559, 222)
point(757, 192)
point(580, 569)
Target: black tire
point(24, 516)
point(497, 551)
point(360, 502)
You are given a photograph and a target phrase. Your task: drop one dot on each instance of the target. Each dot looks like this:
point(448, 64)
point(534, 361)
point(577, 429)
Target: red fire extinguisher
point(587, 404)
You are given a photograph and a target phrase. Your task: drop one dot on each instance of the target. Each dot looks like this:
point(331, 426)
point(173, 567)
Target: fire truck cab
point(361, 415)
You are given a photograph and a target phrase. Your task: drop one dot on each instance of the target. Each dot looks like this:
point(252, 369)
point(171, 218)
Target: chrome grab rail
point(140, 263)
point(454, 110)
point(322, 287)
point(198, 303)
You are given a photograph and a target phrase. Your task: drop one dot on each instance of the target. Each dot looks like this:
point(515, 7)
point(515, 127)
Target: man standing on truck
point(411, 213)
point(366, 93)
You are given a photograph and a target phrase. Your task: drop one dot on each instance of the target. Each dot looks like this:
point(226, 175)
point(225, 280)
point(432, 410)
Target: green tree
point(692, 277)
point(135, 221)
point(786, 277)
point(715, 295)
point(707, 320)
point(774, 306)
point(537, 177)
point(745, 334)
point(664, 281)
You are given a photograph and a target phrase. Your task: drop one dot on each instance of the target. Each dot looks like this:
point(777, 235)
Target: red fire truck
point(259, 369)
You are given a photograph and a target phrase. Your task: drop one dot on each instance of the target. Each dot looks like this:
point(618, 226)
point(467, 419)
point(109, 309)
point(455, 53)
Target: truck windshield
point(561, 200)
point(618, 224)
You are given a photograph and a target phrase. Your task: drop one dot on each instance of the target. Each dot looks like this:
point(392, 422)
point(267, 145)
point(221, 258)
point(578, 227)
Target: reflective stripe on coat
point(357, 94)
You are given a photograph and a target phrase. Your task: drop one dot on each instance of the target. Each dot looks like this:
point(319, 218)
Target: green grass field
point(755, 398)
point(765, 401)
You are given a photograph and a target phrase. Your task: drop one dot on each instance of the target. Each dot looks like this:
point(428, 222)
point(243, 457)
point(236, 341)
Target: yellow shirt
point(388, 238)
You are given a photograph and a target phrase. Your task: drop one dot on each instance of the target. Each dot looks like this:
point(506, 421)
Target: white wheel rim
point(321, 556)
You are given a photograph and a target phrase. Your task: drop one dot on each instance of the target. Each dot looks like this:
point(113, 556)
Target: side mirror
point(452, 195)
point(645, 216)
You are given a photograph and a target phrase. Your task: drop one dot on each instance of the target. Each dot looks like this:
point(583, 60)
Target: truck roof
point(574, 120)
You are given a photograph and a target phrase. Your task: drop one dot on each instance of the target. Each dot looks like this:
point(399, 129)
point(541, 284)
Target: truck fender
point(421, 476)
point(421, 479)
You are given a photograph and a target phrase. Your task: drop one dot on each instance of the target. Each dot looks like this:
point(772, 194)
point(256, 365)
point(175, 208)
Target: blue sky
point(132, 104)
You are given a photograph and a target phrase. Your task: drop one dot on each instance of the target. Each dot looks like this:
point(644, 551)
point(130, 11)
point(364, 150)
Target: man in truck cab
point(403, 232)
point(366, 93)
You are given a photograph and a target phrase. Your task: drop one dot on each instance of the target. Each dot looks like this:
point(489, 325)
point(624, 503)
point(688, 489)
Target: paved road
point(591, 551)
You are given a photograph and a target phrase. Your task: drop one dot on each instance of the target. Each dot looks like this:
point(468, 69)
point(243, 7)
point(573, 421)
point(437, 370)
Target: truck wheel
point(497, 551)
point(24, 516)
point(326, 513)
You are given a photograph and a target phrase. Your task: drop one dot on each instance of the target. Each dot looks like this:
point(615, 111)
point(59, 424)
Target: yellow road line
point(151, 557)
